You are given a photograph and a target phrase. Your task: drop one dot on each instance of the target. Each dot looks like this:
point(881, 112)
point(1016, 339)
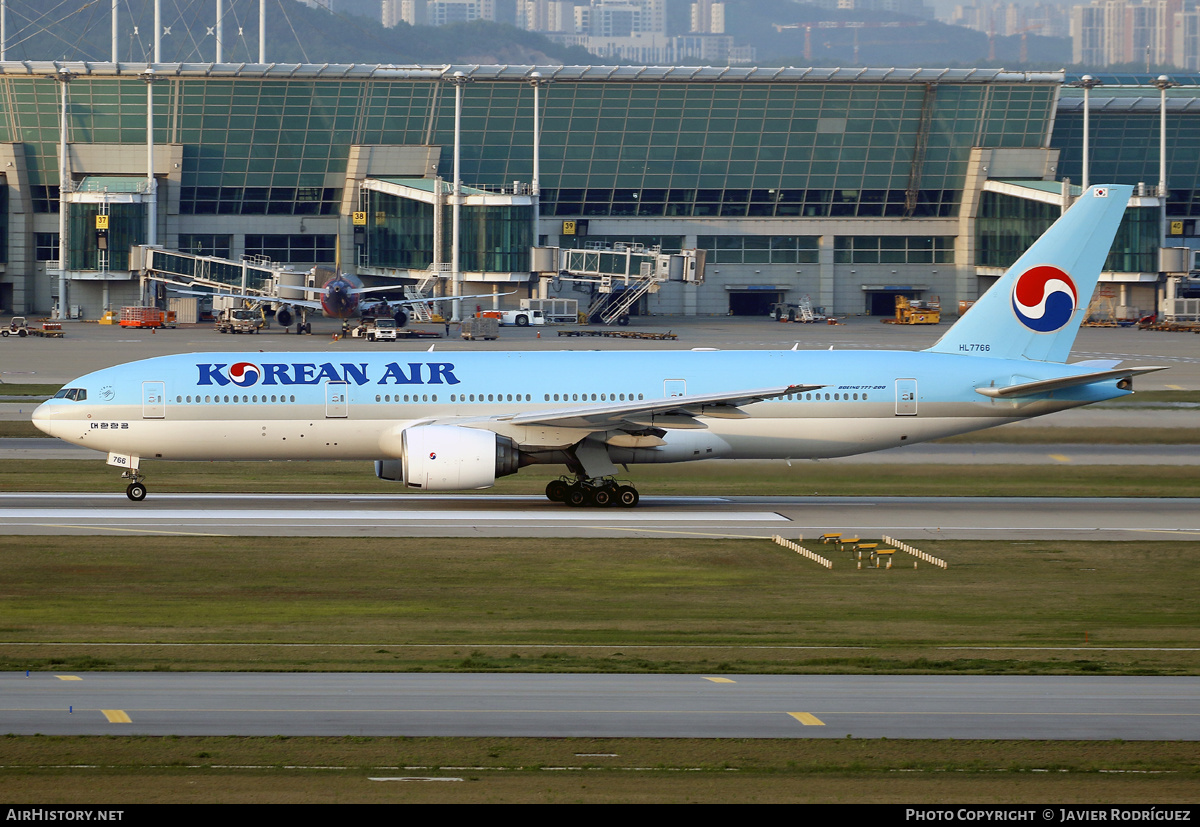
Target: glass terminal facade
point(797, 182)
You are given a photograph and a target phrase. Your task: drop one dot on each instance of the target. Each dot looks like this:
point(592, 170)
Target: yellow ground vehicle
point(916, 311)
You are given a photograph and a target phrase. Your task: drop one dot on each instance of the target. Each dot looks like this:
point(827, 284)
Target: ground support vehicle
point(49, 330)
point(520, 318)
point(239, 320)
point(382, 329)
point(19, 327)
point(482, 327)
point(554, 311)
point(146, 317)
point(16, 327)
point(798, 312)
point(621, 334)
point(916, 311)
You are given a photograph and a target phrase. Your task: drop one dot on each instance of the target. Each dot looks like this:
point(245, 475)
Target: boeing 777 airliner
point(457, 420)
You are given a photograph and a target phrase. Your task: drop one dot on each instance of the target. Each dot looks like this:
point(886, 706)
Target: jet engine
point(450, 458)
point(285, 316)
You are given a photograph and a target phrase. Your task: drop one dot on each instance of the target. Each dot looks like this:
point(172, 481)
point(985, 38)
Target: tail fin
point(1035, 309)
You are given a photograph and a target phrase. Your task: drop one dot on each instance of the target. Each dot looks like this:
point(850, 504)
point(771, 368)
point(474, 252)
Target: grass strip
point(1053, 435)
point(32, 389)
point(550, 605)
point(49, 770)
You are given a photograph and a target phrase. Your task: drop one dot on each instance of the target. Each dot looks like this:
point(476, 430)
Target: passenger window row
point(209, 399)
point(837, 397)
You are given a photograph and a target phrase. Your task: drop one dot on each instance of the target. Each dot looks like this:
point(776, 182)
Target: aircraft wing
point(185, 288)
point(428, 299)
point(393, 287)
point(672, 412)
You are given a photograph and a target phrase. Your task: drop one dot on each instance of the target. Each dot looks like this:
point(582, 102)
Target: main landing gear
point(598, 492)
point(136, 490)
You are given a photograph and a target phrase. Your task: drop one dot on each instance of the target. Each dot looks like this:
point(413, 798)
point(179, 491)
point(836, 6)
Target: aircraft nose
point(42, 419)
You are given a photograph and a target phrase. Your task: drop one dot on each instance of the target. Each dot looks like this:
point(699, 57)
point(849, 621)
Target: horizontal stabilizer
point(1047, 385)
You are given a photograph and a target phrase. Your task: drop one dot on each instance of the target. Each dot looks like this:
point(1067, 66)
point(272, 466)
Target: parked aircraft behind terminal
point(339, 296)
point(458, 420)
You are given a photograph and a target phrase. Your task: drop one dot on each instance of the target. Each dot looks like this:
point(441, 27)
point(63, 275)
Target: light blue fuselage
point(345, 405)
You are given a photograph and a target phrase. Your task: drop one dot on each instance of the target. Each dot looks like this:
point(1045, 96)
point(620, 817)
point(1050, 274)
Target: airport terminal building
point(843, 186)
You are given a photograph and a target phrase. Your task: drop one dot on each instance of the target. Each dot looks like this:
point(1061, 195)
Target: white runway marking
point(351, 517)
point(392, 499)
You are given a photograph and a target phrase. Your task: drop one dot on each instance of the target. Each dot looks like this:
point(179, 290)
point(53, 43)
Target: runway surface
point(659, 706)
point(331, 515)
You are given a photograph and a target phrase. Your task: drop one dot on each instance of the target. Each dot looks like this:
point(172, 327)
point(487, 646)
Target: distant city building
point(436, 12)
point(1187, 40)
point(634, 31)
point(1001, 19)
point(913, 8)
point(546, 15)
point(1153, 33)
point(621, 18)
point(708, 17)
point(390, 14)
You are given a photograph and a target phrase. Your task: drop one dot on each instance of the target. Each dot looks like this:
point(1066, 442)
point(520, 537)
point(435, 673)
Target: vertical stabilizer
point(1035, 309)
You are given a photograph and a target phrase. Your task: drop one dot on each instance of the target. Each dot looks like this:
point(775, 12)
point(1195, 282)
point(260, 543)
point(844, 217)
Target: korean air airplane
point(455, 421)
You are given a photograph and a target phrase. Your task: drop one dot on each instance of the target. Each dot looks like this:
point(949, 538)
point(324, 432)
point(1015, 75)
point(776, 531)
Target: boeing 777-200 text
point(458, 420)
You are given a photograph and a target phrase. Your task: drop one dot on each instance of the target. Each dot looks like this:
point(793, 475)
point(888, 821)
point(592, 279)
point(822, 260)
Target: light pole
point(1088, 83)
point(459, 80)
point(1162, 83)
point(64, 187)
point(537, 82)
point(151, 184)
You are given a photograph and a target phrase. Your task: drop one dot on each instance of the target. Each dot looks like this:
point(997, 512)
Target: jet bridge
point(252, 276)
point(618, 275)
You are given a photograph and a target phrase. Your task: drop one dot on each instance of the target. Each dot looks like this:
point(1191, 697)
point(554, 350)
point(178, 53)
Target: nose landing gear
point(136, 490)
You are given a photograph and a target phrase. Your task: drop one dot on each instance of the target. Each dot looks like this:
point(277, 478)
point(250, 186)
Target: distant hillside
point(852, 38)
point(304, 35)
point(308, 35)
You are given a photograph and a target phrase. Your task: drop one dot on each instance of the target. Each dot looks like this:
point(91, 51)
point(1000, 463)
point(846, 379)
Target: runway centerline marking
point(130, 530)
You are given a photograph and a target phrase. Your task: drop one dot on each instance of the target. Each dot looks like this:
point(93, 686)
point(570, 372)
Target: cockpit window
point(74, 394)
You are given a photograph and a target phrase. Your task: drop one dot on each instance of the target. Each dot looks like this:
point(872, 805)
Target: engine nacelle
point(389, 469)
point(450, 458)
point(285, 316)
